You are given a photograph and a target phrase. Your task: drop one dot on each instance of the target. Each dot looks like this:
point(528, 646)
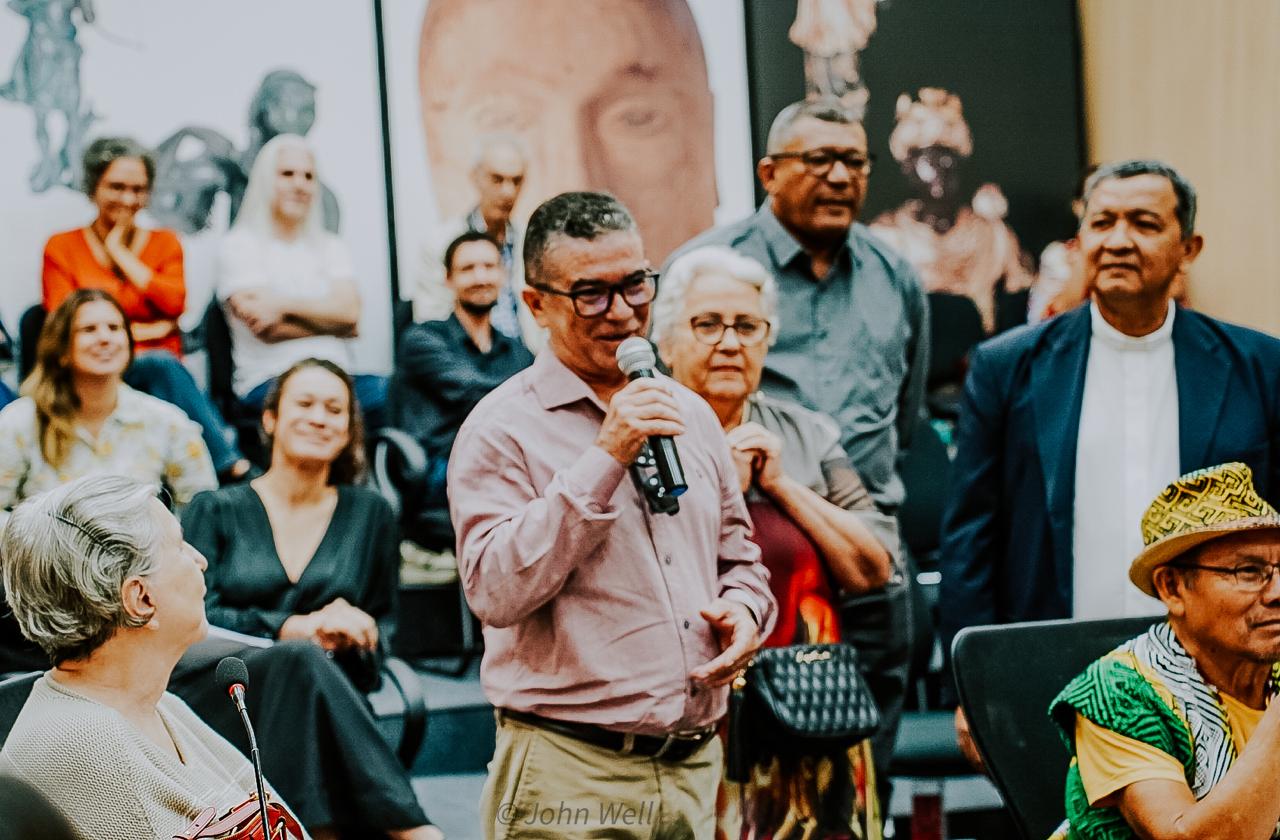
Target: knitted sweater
point(110, 780)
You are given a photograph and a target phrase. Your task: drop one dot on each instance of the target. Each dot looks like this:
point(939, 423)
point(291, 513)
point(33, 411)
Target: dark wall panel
point(1014, 64)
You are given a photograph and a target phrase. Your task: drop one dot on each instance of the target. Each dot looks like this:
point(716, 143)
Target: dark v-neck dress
point(320, 745)
point(249, 592)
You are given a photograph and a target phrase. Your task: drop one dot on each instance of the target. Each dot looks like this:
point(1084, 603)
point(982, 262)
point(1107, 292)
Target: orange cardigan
point(69, 264)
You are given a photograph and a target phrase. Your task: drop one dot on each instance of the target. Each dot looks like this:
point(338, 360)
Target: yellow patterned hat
point(1196, 508)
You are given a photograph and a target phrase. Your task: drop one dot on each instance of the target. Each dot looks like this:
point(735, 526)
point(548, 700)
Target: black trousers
point(878, 625)
point(320, 747)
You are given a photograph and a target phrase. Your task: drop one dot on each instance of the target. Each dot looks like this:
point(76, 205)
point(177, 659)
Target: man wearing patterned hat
point(1068, 428)
point(1174, 733)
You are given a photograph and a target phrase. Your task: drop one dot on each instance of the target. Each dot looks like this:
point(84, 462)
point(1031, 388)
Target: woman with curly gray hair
point(98, 575)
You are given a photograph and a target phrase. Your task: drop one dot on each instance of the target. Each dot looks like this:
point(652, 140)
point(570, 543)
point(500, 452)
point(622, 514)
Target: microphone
point(637, 360)
point(233, 676)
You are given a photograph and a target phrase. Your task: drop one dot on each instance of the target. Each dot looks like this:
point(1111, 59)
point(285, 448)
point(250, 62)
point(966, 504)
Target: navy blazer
point(1008, 528)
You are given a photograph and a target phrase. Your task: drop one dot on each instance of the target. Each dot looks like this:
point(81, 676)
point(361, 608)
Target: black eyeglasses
point(593, 298)
point(709, 329)
point(1250, 577)
point(818, 162)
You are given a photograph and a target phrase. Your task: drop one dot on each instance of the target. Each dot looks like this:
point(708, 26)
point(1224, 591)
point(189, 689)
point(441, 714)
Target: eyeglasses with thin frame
point(1249, 577)
point(818, 162)
point(710, 329)
point(593, 298)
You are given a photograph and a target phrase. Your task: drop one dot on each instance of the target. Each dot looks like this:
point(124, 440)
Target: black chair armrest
point(409, 685)
point(399, 461)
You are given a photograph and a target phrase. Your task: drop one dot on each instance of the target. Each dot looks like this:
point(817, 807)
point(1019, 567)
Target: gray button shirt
point(854, 345)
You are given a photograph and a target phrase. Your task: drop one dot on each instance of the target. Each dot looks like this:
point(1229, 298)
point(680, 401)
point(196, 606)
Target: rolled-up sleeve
point(517, 547)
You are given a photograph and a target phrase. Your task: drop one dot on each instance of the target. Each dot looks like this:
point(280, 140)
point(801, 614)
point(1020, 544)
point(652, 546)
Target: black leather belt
point(674, 747)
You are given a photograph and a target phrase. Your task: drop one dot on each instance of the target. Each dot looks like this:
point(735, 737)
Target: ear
point(1169, 586)
point(765, 171)
point(1191, 248)
point(136, 599)
point(269, 422)
point(533, 299)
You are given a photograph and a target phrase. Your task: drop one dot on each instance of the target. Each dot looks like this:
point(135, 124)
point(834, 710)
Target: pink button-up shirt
point(590, 603)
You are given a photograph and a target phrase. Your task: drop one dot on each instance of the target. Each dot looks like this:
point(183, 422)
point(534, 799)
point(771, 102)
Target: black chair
point(29, 326)
point(217, 346)
point(14, 692)
point(955, 327)
point(1007, 675)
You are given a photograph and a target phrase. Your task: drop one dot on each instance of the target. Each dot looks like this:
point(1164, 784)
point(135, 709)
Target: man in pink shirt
point(611, 633)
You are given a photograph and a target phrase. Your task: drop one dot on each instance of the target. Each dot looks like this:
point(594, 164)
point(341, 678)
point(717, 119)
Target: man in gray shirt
point(853, 339)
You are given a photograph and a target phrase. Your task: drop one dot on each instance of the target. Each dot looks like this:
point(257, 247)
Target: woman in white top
point(287, 284)
point(98, 575)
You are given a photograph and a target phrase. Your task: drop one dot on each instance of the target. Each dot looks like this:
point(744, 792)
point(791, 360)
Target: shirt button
point(686, 625)
point(666, 558)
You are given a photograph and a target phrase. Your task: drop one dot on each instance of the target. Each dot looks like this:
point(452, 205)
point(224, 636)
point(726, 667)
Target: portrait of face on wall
point(622, 101)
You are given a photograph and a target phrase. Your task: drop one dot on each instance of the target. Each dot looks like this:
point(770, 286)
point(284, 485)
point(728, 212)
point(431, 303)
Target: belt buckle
point(695, 737)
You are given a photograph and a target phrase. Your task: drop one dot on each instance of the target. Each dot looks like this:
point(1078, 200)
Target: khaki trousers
point(545, 785)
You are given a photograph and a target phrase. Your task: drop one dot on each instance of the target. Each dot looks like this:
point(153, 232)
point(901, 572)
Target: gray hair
point(1182, 189)
point(684, 273)
point(489, 142)
point(826, 109)
point(578, 215)
point(259, 193)
point(65, 555)
point(104, 151)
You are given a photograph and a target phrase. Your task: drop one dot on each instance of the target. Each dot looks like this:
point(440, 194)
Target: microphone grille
point(636, 354)
point(232, 671)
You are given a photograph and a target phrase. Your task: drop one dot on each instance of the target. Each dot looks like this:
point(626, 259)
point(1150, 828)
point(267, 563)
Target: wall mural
point(46, 78)
point(644, 99)
point(164, 74)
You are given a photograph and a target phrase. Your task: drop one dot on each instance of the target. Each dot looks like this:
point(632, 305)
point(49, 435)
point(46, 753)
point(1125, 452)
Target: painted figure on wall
point(958, 248)
point(832, 33)
point(46, 77)
point(195, 164)
point(618, 102)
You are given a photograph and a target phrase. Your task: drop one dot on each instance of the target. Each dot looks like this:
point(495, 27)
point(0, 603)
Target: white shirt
point(1126, 453)
point(305, 268)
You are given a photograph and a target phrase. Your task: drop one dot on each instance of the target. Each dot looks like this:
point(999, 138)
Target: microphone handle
point(665, 456)
point(237, 694)
point(667, 461)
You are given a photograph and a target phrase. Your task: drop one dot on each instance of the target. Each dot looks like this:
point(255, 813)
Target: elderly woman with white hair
point(98, 575)
point(288, 284)
point(817, 528)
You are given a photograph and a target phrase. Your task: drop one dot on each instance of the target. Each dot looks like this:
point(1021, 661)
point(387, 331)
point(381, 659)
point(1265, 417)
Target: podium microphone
point(637, 360)
point(233, 675)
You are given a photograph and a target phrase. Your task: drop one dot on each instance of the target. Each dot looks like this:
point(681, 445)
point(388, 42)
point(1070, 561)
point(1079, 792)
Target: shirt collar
point(475, 221)
point(784, 248)
point(556, 386)
point(497, 341)
point(130, 410)
point(1104, 332)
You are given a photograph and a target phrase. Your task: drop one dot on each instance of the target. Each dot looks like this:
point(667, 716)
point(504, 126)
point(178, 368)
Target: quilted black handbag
point(798, 700)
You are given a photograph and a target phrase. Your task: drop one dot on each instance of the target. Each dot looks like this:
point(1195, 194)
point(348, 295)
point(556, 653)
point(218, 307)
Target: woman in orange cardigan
point(142, 269)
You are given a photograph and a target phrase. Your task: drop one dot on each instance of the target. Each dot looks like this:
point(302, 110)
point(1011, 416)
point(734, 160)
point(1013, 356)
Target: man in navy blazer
point(1068, 427)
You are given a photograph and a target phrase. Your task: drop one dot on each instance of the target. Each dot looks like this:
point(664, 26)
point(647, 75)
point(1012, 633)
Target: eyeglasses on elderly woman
point(710, 329)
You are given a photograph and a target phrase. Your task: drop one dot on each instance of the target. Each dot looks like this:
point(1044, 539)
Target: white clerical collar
point(1112, 336)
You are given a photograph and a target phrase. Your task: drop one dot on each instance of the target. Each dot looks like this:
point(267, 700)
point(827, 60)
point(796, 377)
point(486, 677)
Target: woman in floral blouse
point(76, 415)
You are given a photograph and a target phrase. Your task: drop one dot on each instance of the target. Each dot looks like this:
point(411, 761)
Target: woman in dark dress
point(304, 557)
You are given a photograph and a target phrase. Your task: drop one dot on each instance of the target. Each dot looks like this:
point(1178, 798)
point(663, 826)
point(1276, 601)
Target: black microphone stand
point(237, 694)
